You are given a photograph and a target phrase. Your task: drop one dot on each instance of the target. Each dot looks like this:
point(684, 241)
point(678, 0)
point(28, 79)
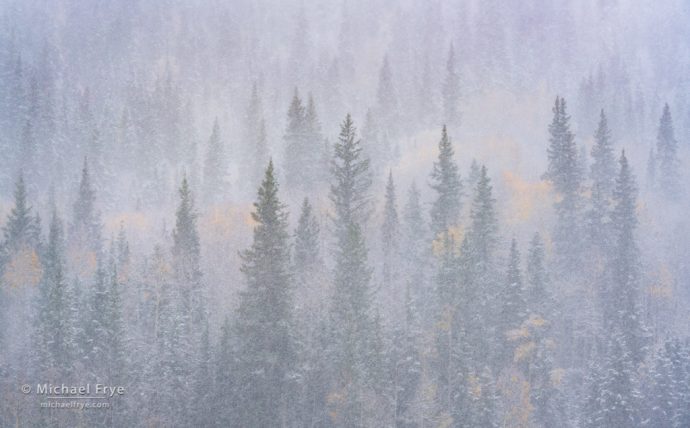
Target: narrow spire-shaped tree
point(351, 180)
point(667, 155)
point(390, 231)
point(445, 177)
point(54, 328)
point(214, 166)
point(265, 337)
point(85, 229)
point(20, 228)
point(564, 171)
point(387, 99)
point(451, 90)
point(512, 300)
point(295, 144)
point(354, 349)
point(613, 396)
point(603, 175)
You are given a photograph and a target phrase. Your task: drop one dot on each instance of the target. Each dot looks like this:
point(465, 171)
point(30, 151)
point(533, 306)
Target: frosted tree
point(303, 145)
point(512, 300)
point(354, 351)
point(565, 173)
point(85, 229)
point(265, 360)
point(55, 331)
point(667, 156)
point(387, 99)
point(255, 147)
point(390, 239)
point(215, 185)
point(351, 180)
point(445, 212)
point(614, 395)
point(21, 229)
point(451, 91)
point(602, 174)
point(669, 392)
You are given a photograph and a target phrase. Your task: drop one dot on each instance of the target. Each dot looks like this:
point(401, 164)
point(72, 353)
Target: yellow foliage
point(445, 420)
point(536, 320)
point(556, 376)
point(137, 223)
point(517, 334)
point(523, 351)
point(456, 233)
point(663, 286)
point(475, 386)
point(446, 318)
point(516, 392)
point(525, 197)
point(23, 270)
point(83, 262)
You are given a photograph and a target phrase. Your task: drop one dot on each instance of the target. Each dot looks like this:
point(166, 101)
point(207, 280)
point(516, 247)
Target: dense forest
point(345, 213)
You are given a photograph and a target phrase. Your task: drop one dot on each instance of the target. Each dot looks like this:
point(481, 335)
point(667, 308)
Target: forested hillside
point(345, 213)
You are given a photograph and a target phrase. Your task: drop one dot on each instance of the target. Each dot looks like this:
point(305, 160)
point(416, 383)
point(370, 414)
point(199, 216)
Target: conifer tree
point(451, 91)
point(214, 166)
point(390, 235)
point(308, 268)
point(446, 209)
point(295, 144)
point(85, 229)
point(512, 300)
point(351, 180)
point(565, 173)
point(264, 325)
point(387, 98)
point(484, 223)
point(667, 155)
point(355, 347)
point(602, 174)
point(540, 297)
point(21, 228)
point(613, 392)
point(306, 254)
point(54, 331)
point(669, 392)
point(255, 148)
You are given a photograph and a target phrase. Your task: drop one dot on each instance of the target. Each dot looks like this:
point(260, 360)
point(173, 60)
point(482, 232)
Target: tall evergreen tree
point(54, 330)
point(264, 325)
point(446, 209)
point(85, 229)
point(540, 297)
point(603, 175)
point(306, 254)
point(255, 148)
point(215, 166)
point(669, 392)
point(302, 144)
point(308, 268)
point(387, 98)
point(667, 155)
point(614, 395)
point(21, 228)
point(390, 238)
point(565, 174)
point(189, 298)
point(512, 300)
point(451, 90)
point(355, 347)
point(351, 180)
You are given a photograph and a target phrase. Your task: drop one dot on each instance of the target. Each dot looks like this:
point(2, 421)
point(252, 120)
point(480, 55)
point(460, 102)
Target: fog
point(344, 213)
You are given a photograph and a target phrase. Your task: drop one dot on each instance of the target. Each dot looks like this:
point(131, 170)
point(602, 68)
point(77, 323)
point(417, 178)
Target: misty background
point(474, 248)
